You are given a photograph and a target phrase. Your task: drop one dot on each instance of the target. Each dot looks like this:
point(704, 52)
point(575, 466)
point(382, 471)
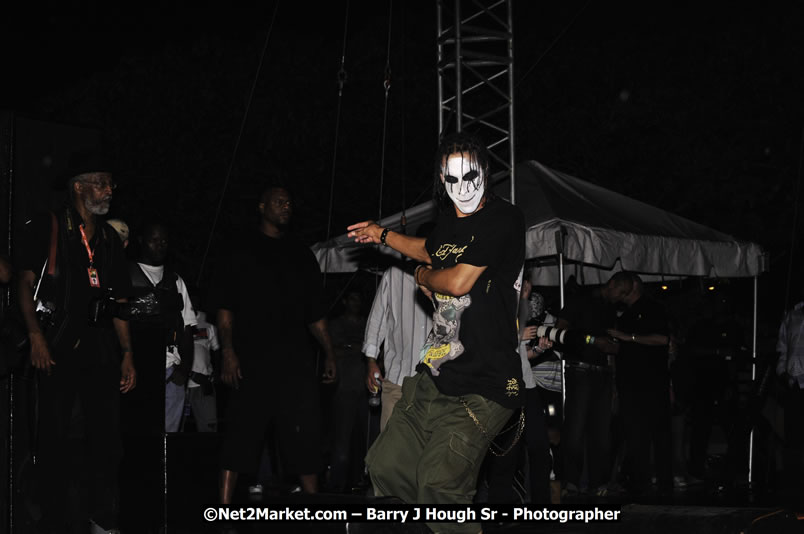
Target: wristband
point(416, 274)
point(383, 236)
point(633, 338)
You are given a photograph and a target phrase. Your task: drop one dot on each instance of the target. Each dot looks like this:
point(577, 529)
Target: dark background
point(693, 107)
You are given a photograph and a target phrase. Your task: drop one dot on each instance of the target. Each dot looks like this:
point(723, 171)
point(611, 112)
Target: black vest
point(171, 303)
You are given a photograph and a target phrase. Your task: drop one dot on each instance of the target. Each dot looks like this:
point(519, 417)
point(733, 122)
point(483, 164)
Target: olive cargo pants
point(431, 450)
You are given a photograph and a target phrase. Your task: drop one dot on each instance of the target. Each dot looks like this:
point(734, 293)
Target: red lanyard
point(90, 252)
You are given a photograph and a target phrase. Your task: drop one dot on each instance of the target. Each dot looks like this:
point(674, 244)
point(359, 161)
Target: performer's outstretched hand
point(365, 232)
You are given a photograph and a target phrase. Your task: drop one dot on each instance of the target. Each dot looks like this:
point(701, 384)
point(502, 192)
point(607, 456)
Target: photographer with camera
point(500, 470)
point(169, 331)
point(66, 260)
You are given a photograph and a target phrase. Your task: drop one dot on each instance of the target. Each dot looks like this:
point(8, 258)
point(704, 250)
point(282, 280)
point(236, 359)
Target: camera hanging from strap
point(45, 310)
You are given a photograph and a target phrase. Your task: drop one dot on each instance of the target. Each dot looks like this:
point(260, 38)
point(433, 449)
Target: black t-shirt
point(589, 313)
point(71, 290)
point(642, 367)
point(473, 345)
point(273, 287)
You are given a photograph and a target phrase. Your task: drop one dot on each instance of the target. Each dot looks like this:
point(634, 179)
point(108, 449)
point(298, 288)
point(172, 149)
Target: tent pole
point(561, 278)
point(753, 381)
point(561, 295)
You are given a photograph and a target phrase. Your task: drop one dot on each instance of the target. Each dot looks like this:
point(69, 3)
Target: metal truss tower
point(476, 76)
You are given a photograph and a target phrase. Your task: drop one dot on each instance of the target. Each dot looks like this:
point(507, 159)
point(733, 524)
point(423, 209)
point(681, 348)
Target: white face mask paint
point(464, 182)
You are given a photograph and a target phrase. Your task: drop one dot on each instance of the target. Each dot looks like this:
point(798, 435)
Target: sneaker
point(679, 482)
point(256, 489)
point(683, 482)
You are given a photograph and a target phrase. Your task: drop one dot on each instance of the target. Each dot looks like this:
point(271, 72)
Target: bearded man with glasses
point(69, 260)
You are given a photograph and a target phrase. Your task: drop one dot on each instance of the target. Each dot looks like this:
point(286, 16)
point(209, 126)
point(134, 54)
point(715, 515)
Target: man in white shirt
point(178, 317)
point(790, 369)
point(400, 319)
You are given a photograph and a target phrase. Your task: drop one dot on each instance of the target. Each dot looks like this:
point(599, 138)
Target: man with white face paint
point(464, 183)
point(469, 379)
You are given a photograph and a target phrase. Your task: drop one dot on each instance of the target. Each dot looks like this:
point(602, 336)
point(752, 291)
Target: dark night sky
point(695, 108)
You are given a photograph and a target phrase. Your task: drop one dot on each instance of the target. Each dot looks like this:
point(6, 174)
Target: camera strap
point(94, 281)
point(54, 244)
point(50, 262)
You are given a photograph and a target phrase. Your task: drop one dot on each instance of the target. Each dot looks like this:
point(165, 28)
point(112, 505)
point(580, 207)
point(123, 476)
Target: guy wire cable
point(555, 41)
point(237, 146)
point(387, 86)
point(341, 83)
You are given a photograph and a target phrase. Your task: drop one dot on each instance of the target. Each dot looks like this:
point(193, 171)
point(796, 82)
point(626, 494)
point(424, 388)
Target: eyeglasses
point(102, 184)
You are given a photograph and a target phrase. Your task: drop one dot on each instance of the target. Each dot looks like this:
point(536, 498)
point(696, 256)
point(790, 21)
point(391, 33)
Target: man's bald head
point(636, 291)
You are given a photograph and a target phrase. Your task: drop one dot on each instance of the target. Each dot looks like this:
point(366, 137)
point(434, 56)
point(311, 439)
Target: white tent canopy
point(598, 231)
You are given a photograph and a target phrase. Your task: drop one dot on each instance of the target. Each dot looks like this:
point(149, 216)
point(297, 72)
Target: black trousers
point(350, 416)
point(586, 432)
point(291, 408)
point(645, 411)
point(78, 446)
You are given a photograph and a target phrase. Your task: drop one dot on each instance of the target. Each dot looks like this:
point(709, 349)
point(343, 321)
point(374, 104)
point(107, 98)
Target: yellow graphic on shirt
point(442, 343)
point(436, 353)
point(447, 249)
point(512, 387)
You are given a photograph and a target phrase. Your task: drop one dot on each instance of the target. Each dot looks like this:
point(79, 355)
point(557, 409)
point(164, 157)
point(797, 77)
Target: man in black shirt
point(587, 410)
point(470, 380)
point(643, 386)
point(268, 302)
point(77, 359)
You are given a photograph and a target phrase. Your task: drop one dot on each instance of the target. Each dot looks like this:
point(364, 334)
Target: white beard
point(98, 208)
point(466, 194)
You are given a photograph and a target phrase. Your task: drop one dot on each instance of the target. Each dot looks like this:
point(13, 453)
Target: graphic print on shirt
point(200, 334)
point(451, 249)
point(443, 343)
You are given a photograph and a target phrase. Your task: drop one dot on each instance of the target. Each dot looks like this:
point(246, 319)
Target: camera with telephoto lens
point(556, 335)
point(104, 308)
point(568, 338)
point(142, 307)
